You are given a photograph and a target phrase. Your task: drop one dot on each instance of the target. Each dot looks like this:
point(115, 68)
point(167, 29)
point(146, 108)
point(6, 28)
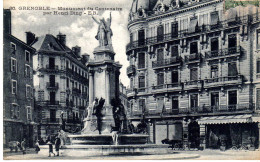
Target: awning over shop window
point(226, 119)
point(193, 24)
point(256, 119)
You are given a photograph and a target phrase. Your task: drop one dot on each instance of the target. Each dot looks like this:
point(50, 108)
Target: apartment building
point(18, 102)
point(61, 84)
point(194, 71)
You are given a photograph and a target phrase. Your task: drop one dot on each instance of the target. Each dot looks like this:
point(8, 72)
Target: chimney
point(76, 50)
point(7, 21)
point(62, 39)
point(85, 58)
point(30, 37)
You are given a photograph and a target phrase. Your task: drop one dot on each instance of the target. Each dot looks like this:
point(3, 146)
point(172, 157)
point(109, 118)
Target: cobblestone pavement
point(174, 155)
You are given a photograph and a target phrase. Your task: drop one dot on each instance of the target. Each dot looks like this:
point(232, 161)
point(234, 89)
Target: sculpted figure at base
point(119, 116)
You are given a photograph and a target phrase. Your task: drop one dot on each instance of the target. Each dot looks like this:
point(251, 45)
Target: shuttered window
point(174, 51)
point(232, 69)
point(193, 100)
point(160, 78)
point(258, 66)
point(141, 104)
point(194, 74)
point(141, 37)
point(193, 24)
point(160, 33)
point(214, 18)
point(141, 60)
point(160, 103)
point(174, 29)
point(141, 80)
point(258, 99)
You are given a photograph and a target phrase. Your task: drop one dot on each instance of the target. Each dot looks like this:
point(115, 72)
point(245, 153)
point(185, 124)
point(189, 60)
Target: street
point(173, 155)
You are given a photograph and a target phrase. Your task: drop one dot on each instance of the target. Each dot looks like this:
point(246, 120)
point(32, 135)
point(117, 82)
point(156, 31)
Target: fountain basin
point(106, 139)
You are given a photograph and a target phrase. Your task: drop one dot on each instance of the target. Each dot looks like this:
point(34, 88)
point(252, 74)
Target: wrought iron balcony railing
point(48, 103)
point(51, 120)
point(167, 62)
point(130, 70)
point(226, 80)
point(52, 86)
point(55, 67)
point(228, 52)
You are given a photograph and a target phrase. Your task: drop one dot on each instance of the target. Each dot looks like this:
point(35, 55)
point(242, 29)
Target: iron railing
point(167, 62)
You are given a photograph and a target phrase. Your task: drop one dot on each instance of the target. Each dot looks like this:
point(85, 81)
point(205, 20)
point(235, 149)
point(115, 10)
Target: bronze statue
point(104, 32)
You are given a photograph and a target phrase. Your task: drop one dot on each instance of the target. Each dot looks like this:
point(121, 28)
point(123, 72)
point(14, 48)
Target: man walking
point(57, 144)
point(23, 146)
point(50, 148)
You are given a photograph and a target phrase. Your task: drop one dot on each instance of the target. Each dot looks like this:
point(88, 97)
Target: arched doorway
point(194, 134)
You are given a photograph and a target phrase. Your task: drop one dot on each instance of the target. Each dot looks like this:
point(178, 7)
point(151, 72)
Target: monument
point(105, 127)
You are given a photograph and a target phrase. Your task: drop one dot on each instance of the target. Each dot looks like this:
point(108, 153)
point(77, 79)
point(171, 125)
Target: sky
point(80, 30)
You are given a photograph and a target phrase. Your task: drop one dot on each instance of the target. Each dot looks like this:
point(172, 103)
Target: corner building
point(194, 71)
point(18, 102)
point(61, 85)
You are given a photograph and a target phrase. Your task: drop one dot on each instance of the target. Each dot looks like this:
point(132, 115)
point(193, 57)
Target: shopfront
point(233, 132)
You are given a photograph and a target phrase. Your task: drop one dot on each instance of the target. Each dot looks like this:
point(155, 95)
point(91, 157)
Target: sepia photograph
point(131, 80)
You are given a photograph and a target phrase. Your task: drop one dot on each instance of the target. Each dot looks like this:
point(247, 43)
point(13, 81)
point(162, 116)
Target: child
point(50, 148)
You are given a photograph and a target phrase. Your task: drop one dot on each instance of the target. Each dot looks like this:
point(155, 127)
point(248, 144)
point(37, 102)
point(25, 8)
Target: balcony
point(218, 109)
point(223, 81)
point(76, 91)
point(48, 103)
point(173, 61)
point(131, 92)
point(52, 86)
point(172, 87)
point(130, 70)
point(73, 121)
point(50, 121)
point(193, 58)
point(194, 84)
point(224, 53)
point(54, 68)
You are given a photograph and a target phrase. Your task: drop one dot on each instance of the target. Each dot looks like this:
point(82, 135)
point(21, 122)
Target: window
point(174, 29)
point(214, 44)
point(258, 66)
point(258, 99)
point(232, 100)
point(13, 65)
point(27, 56)
point(14, 87)
point(214, 71)
point(175, 105)
point(141, 37)
point(232, 41)
point(160, 54)
point(28, 91)
point(52, 80)
point(51, 62)
point(29, 113)
point(15, 111)
point(52, 98)
point(141, 60)
point(160, 104)
point(232, 69)
point(194, 100)
point(214, 19)
point(258, 38)
point(193, 47)
point(174, 51)
point(193, 27)
point(27, 70)
point(141, 104)
point(175, 77)
point(160, 79)
point(141, 80)
point(13, 48)
point(214, 99)
point(194, 74)
point(160, 33)
point(41, 95)
point(52, 115)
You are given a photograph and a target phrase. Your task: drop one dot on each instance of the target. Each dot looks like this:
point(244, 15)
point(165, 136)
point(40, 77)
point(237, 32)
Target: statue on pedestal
point(104, 32)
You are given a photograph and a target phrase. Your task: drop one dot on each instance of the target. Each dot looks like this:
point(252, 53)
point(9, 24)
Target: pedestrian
point(50, 148)
point(23, 143)
point(57, 144)
point(37, 147)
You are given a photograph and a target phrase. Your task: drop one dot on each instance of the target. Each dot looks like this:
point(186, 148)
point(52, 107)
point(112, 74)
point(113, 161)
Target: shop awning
point(226, 119)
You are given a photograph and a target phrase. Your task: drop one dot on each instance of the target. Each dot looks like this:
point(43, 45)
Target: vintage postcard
point(131, 79)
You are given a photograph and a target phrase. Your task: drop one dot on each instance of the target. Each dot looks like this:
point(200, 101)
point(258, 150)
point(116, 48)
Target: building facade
point(194, 71)
point(123, 97)
point(18, 106)
point(61, 84)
